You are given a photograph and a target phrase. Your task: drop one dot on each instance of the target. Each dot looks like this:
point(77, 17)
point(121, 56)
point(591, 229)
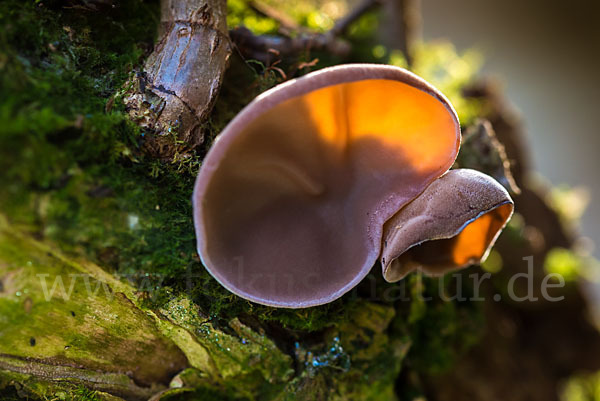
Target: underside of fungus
point(319, 177)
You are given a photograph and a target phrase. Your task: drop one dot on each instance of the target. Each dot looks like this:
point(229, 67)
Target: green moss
point(241, 356)
point(357, 359)
point(441, 330)
point(51, 311)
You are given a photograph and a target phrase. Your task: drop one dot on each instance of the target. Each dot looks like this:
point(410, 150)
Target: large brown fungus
point(291, 201)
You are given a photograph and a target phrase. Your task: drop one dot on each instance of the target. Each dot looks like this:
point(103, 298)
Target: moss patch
point(57, 315)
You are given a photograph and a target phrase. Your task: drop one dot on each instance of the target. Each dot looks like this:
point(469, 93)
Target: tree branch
point(268, 48)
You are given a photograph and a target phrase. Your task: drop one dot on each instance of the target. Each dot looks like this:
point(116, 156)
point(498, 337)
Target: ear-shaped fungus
point(452, 224)
point(291, 201)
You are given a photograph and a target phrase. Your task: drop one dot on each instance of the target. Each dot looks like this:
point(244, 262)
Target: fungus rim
point(320, 79)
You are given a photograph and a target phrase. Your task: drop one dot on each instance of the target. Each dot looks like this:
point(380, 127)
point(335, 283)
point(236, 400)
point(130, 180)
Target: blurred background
point(546, 54)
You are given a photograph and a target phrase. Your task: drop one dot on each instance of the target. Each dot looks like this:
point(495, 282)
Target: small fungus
point(452, 224)
point(299, 192)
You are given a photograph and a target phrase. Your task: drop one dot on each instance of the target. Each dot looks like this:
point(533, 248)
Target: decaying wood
point(482, 151)
point(102, 340)
point(508, 127)
point(181, 79)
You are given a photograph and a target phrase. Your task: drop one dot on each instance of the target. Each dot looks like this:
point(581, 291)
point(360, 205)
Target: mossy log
point(67, 325)
point(83, 202)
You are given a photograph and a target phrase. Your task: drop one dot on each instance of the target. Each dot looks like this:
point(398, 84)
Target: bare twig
point(268, 48)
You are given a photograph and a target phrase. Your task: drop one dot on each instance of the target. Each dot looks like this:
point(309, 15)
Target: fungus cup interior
point(469, 246)
point(292, 198)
